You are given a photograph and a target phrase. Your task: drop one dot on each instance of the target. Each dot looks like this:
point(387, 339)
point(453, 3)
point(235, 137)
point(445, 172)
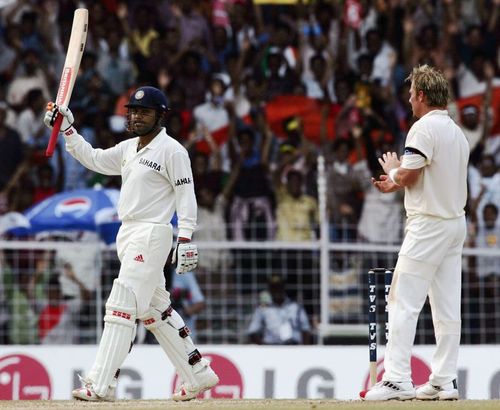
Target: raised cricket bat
point(70, 70)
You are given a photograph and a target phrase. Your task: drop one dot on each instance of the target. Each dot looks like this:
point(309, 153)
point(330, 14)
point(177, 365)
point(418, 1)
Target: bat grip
point(53, 136)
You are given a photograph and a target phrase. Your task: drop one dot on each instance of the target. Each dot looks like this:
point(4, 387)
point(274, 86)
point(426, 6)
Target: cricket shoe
point(448, 391)
point(387, 390)
point(87, 393)
point(205, 377)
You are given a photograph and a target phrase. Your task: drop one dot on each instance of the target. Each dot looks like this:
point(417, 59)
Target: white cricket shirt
point(156, 181)
point(441, 189)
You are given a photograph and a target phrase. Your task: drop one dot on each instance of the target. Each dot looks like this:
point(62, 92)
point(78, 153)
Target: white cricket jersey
point(441, 189)
point(156, 181)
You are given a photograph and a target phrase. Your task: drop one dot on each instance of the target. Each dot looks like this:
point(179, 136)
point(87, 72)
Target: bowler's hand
point(385, 184)
point(53, 111)
point(389, 161)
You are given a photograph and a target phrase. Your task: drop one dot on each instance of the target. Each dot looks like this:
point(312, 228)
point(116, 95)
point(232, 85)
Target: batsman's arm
point(185, 198)
point(107, 162)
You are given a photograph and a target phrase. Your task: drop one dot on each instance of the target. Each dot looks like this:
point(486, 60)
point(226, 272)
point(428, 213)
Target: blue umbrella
point(82, 209)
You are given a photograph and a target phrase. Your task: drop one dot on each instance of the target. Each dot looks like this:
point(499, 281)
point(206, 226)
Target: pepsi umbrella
point(83, 209)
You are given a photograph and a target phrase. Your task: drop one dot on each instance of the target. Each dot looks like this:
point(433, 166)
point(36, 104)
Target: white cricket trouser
point(429, 263)
point(143, 249)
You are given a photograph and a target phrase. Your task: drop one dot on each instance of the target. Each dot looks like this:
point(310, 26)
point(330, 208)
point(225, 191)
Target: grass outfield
point(268, 404)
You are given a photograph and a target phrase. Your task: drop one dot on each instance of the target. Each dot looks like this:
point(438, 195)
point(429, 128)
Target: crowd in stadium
point(257, 92)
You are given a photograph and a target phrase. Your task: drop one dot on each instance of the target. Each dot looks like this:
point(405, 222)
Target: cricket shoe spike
point(205, 377)
point(448, 391)
point(387, 390)
point(87, 393)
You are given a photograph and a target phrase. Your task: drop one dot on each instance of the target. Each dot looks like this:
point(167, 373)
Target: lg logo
point(312, 383)
point(23, 378)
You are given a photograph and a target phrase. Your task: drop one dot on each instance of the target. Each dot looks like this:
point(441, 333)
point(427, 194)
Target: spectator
point(9, 47)
point(190, 77)
point(487, 235)
point(30, 75)
point(141, 34)
point(187, 299)
point(30, 121)
point(212, 203)
point(484, 185)
point(12, 152)
point(58, 320)
point(343, 193)
point(46, 184)
point(381, 217)
point(251, 213)
point(486, 274)
point(22, 300)
point(280, 78)
point(79, 266)
point(193, 26)
point(296, 213)
point(115, 68)
point(281, 322)
point(212, 114)
point(320, 84)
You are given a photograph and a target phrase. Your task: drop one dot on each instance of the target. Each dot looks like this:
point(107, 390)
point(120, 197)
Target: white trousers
point(143, 249)
point(429, 263)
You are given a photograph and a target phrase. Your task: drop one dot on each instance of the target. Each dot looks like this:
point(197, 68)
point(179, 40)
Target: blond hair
point(432, 83)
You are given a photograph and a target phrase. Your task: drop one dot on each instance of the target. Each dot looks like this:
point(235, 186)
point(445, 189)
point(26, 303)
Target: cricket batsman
point(156, 181)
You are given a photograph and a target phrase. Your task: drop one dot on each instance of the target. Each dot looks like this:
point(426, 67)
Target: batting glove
point(53, 111)
point(185, 256)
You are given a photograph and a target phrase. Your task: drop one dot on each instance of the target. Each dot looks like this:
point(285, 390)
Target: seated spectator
point(282, 321)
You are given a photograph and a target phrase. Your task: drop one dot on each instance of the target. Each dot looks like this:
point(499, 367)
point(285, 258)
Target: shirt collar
point(436, 112)
point(157, 140)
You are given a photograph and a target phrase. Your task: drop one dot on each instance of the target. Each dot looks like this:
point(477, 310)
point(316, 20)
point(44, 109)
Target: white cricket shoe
point(87, 393)
point(205, 377)
point(448, 391)
point(387, 390)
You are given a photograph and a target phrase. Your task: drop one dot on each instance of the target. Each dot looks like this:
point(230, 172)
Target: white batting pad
point(167, 331)
point(116, 338)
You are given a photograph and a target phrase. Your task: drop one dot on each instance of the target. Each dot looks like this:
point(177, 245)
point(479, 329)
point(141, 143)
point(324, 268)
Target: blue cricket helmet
point(148, 97)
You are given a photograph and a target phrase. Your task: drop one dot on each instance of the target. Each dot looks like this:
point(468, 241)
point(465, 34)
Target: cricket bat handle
point(53, 136)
